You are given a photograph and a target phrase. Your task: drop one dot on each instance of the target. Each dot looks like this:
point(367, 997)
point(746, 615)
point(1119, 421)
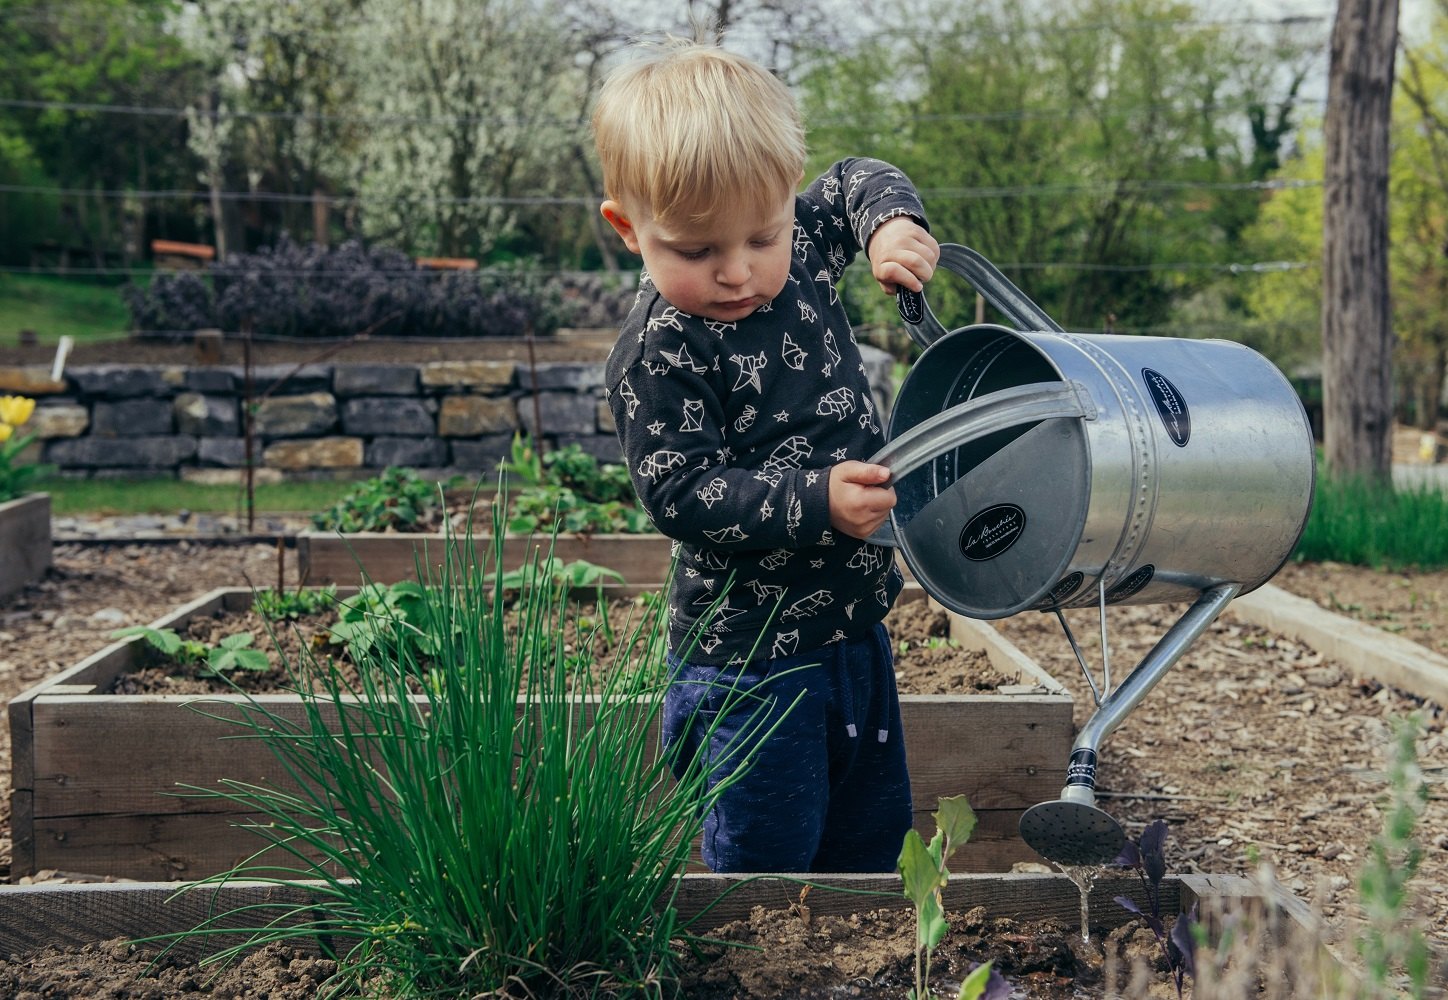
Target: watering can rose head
point(15, 475)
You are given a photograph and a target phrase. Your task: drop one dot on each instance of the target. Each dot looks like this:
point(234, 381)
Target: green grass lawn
point(166, 496)
point(54, 307)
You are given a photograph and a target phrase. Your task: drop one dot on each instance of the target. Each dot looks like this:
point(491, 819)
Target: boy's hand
point(902, 254)
point(858, 503)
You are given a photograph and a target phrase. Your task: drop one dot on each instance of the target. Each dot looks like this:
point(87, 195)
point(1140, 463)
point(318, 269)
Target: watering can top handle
point(973, 419)
point(993, 286)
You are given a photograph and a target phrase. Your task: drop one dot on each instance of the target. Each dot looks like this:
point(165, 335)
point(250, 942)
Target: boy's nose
point(733, 270)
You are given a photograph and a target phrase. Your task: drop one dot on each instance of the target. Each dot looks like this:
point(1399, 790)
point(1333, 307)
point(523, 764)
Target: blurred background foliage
point(1142, 166)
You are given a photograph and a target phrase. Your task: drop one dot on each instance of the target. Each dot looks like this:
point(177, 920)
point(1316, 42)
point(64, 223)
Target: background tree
point(1103, 152)
point(1356, 322)
point(276, 119)
point(63, 64)
point(1420, 222)
point(480, 101)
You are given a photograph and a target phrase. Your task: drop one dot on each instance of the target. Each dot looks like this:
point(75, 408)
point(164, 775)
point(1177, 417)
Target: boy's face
point(721, 269)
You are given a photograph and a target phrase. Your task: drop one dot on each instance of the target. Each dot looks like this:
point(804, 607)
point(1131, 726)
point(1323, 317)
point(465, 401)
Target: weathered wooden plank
point(387, 558)
point(166, 847)
point(33, 917)
point(1363, 648)
point(24, 541)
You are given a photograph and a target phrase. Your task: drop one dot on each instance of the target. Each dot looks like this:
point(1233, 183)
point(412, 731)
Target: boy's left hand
point(859, 499)
point(902, 254)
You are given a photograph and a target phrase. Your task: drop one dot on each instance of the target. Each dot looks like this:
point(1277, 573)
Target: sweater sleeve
point(851, 200)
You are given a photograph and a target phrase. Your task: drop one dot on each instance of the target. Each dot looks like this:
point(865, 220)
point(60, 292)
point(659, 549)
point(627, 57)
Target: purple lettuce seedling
point(1148, 857)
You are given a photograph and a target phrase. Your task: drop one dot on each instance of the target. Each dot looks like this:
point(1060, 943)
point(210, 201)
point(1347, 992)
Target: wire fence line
point(591, 201)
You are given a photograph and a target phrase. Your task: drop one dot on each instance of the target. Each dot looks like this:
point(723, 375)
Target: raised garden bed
point(24, 541)
point(95, 774)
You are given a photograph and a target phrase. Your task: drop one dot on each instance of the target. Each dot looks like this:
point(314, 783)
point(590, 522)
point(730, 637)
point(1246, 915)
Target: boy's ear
point(613, 213)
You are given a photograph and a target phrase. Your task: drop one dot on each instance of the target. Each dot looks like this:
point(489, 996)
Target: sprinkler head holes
point(1072, 833)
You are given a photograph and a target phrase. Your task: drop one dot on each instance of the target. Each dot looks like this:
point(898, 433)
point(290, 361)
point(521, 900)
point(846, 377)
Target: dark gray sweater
point(730, 429)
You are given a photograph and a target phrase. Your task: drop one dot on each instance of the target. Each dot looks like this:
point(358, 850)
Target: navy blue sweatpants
point(828, 790)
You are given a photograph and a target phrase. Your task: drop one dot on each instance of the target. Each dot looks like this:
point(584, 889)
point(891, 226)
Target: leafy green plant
point(924, 873)
point(573, 575)
point(233, 653)
point(1147, 856)
point(383, 614)
point(452, 845)
point(570, 490)
point(397, 500)
point(289, 605)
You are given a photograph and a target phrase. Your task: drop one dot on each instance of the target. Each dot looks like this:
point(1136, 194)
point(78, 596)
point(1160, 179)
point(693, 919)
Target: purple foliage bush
point(311, 291)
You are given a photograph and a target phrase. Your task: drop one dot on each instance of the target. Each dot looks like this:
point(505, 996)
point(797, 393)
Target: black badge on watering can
point(911, 305)
point(1131, 585)
point(1061, 591)
point(992, 531)
point(1170, 405)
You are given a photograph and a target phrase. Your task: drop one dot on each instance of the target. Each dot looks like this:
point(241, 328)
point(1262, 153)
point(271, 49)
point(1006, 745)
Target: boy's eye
point(767, 242)
point(693, 254)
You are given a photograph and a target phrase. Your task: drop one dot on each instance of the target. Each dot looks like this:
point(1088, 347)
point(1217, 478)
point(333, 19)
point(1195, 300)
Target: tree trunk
point(1357, 336)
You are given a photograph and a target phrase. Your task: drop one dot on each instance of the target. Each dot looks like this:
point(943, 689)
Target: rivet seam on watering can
point(1170, 405)
point(1126, 392)
point(991, 532)
point(1081, 769)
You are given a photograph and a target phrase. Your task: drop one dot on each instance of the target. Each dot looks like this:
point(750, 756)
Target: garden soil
point(1253, 748)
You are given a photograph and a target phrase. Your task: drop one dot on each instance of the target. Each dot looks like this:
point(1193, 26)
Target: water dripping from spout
point(1084, 877)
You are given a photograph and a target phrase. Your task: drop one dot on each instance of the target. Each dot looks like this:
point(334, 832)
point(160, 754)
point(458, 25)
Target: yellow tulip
point(15, 410)
point(5, 431)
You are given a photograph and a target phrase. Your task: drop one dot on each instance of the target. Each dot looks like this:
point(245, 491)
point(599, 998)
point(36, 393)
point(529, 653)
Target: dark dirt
point(926, 660)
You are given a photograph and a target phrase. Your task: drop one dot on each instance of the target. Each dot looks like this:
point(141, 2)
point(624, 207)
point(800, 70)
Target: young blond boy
point(744, 411)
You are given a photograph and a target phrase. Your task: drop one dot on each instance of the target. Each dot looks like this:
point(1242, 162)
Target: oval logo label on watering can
point(1132, 584)
point(991, 532)
point(1169, 405)
point(1061, 591)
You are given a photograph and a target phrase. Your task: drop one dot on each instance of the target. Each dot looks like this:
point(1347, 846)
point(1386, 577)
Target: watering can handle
point(974, 419)
point(984, 276)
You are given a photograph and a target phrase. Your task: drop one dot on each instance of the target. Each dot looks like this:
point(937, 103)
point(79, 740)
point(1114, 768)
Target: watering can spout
point(1073, 830)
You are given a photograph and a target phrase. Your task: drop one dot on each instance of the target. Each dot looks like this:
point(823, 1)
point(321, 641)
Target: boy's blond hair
point(693, 131)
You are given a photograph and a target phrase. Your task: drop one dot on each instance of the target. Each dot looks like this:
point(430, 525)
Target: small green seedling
point(167, 641)
point(234, 652)
point(924, 872)
point(278, 605)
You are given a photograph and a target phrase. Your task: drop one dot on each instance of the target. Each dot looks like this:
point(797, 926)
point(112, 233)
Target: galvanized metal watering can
point(1038, 469)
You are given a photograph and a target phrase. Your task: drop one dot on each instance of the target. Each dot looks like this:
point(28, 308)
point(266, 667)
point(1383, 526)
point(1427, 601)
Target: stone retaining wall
point(318, 421)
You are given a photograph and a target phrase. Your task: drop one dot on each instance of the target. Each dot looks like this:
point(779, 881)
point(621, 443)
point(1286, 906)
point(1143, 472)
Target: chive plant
point(477, 821)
